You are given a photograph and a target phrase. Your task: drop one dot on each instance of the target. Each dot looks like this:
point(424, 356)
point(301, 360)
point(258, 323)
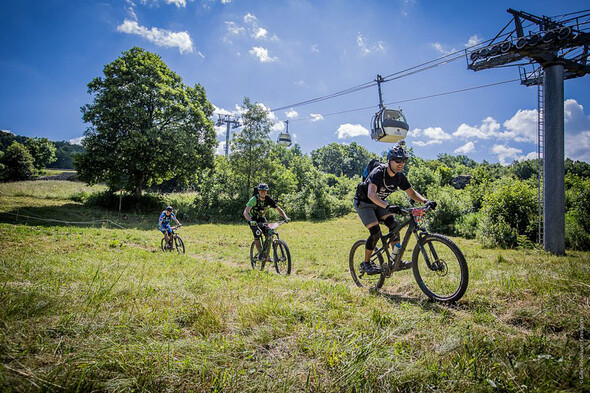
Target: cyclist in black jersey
point(256, 209)
point(370, 203)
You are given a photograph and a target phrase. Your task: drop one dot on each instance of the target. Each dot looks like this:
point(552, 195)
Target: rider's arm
point(247, 213)
point(281, 211)
point(372, 194)
point(160, 221)
point(176, 219)
point(415, 195)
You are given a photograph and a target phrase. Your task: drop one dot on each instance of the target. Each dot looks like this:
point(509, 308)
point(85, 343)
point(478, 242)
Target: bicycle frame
point(396, 264)
point(270, 233)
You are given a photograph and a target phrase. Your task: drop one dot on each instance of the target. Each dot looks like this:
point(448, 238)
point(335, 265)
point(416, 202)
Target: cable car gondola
point(284, 138)
point(388, 125)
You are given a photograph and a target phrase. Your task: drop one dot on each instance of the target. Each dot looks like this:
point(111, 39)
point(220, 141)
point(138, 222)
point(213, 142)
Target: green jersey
point(258, 206)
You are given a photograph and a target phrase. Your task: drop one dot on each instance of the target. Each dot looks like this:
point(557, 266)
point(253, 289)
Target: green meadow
point(87, 306)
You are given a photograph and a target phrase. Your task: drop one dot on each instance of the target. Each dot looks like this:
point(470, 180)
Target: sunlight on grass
point(103, 309)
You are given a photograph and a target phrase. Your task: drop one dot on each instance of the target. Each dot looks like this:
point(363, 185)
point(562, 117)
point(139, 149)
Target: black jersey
point(386, 184)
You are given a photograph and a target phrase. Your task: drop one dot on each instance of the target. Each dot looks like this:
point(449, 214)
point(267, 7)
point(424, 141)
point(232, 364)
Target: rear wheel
point(360, 278)
point(282, 257)
point(179, 244)
point(254, 261)
point(440, 268)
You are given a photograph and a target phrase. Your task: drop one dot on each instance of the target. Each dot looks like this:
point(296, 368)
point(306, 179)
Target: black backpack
point(361, 188)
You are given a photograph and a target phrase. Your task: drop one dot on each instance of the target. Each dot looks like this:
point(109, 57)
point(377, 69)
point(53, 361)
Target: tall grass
point(102, 309)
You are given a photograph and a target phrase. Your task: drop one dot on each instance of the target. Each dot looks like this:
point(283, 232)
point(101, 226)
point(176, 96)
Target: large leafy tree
point(337, 159)
point(251, 146)
point(146, 126)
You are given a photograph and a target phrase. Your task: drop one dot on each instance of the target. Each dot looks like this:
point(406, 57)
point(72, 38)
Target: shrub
point(509, 210)
point(452, 205)
point(147, 203)
point(466, 225)
point(17, 163)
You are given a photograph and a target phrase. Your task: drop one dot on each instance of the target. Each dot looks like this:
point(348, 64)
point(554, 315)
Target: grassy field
point(93, 307)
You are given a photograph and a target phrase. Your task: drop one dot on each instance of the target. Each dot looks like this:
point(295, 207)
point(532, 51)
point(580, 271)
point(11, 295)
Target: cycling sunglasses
point(400, 160)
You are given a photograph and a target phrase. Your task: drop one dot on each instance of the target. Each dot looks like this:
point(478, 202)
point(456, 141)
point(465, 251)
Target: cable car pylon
point(388, 125)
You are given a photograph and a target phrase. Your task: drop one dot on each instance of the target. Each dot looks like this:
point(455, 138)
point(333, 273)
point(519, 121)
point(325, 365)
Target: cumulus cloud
point(488, 129)
point(233, 28)
point(292, 114)
point(159, 37)
point(316, 116)
point(507, 154)
point(465, 149)
point(314, 48)
point(366, 48)
point(522, 127)
point(577, 131)
point(262, 54)
point(177, 3)
point(220, 151)
point(434, 135)
point(351, 130)
point(473, 40)
point(439, 48)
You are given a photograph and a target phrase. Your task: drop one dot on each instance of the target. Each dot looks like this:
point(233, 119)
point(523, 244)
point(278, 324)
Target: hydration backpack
point(361, 188)
point(370, 166)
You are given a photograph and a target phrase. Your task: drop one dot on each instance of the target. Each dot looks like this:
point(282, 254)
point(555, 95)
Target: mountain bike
point(175, 242)
point(438, 265)
point(281, 257)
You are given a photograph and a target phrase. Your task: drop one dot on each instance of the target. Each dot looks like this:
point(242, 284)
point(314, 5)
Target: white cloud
point(292, 114)
point(577, 131)
point(488, 129)
point(507, 154)
point(159, 37)
point(259, 33)
point(300, 83)
point(473, 40)
point(233, 28)
point(435, 136)
point(366, 48)
point(314, 48)
point(249, 18)
point(73, 141)
point(262, 54)
point(177, 3)
point(278, 127)
point(351, 130)
point(465, 149)
point(522, 127)
point(316, 116)
point(439, 48)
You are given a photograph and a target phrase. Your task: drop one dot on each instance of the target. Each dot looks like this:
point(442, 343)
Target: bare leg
point(258, 246)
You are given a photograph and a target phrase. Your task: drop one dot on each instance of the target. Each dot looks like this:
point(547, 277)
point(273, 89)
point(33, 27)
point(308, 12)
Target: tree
point(17, 162)
point(42, 150)
point(145, 125)
point(337, 159)
point(251, 146)
point(65, 155)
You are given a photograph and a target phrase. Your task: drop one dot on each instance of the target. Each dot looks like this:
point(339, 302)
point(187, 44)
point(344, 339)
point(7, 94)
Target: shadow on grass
point(74, 215)
point(426, 304)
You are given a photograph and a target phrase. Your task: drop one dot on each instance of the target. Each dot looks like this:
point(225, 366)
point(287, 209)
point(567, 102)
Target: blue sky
point(283, 52)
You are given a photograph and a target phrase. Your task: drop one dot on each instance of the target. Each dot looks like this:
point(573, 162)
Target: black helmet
point(397, 152)
point(262, 187)
point(169, 208)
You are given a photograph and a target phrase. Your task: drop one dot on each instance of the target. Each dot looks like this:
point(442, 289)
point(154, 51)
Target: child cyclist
point(256, 209)
point(166, 218)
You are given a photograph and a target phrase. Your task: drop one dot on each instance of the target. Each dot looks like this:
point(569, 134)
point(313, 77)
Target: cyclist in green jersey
point(256, 209)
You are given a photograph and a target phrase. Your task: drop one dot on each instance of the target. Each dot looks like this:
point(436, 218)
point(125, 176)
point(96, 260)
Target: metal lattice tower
point(560, 50)
point(228, 120)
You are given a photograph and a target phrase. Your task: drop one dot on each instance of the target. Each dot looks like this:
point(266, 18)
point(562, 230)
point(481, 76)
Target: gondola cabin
point(284, 139)
point(389, 125)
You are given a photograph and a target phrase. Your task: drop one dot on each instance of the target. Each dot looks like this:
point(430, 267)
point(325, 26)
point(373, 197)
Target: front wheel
point(440, 268)
point(360, 278)
point(163, 245)
point(179, 244)
point(256, 263)
point(282, 257)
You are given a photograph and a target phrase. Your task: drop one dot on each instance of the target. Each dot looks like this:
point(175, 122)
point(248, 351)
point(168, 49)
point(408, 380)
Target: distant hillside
point(64, 153)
